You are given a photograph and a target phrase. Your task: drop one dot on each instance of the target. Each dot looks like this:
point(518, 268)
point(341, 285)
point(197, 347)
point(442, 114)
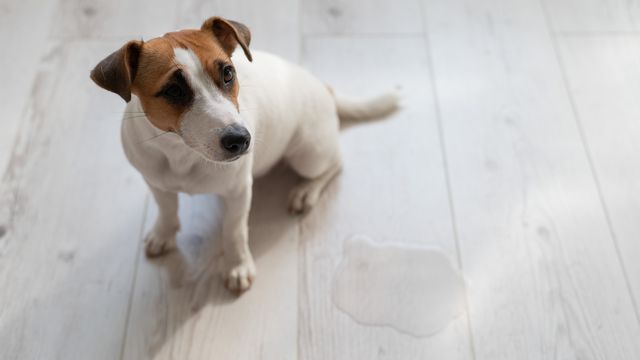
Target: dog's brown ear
point(229, 33)
point(118, 70)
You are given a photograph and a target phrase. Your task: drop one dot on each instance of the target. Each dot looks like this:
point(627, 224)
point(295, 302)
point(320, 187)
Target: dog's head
point(187, 84)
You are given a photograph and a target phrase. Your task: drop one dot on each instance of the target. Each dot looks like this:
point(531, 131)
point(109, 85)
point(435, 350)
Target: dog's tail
point(367, 109)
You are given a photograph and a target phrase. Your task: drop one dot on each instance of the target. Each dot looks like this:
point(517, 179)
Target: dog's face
point(186, 84)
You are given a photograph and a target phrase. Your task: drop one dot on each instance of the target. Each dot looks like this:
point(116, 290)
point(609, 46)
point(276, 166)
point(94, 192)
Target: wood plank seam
point(588, 154)
point(134, 277)
point(588, 33)
point(447, 174)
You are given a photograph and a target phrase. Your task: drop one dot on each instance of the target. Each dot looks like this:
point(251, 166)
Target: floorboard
point(348, 17)
point(67, 254)
point(19, 62)
point(604, 76)
point(392, 189)
point(114, 19)
point(543, 276)
point(594, 16)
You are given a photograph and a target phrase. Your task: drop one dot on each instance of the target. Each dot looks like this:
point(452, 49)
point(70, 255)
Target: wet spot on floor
point(415, 290)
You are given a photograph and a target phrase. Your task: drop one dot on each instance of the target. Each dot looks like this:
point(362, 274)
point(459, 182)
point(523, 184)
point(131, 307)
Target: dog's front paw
point(239, 277)
point(158, 242)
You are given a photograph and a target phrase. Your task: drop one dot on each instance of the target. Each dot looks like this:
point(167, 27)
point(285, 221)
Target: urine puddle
point(415, 290)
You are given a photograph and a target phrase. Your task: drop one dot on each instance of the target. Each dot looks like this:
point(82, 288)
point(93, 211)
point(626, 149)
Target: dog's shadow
point(182, 283)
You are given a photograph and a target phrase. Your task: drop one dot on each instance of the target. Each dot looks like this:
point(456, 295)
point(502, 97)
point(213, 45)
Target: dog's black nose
point(235, 139)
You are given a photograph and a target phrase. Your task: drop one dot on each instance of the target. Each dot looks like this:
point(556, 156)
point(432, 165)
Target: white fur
point(210, 112)
point(354, 110)
point(290, 115)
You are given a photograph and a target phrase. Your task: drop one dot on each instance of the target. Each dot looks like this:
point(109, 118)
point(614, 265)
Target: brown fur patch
point(156, 65)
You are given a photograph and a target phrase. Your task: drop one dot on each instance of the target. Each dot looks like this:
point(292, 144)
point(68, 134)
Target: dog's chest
point(187, 175)
point(180, 169)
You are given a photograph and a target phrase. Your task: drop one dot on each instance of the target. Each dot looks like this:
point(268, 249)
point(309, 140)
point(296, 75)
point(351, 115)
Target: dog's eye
point(177, 90)
point(227, 74)
point(174, 92)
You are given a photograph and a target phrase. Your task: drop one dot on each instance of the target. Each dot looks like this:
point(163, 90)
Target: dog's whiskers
point(153, 137)
point(133, 117)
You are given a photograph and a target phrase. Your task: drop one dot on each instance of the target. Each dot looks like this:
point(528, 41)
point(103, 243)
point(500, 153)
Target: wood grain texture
point(392, 189)
point(361, 17)
point(29, 21)
point(71, 212)
point(543, 276)
point(114, 19)
point(604, 79)
point(594, 16)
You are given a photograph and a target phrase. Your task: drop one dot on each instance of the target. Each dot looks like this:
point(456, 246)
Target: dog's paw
point(238, 278)
point(303, 197)
point(157, 243)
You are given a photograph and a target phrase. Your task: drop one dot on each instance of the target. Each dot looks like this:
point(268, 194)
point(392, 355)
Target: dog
point(189, 127)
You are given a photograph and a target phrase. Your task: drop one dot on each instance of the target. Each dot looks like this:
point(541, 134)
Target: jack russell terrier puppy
point(217, 137)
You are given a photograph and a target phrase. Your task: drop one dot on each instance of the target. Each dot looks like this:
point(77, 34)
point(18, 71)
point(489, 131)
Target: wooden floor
point(516, 152)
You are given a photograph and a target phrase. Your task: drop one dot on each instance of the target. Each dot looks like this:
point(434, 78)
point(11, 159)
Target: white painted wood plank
point(29, 22)
point(72, 212)
point(274, 24)
point(122, 19)
point(392, 188)
point(543, 277)
point(594, 15)
point(604, 78)
point(176, 315)
point(361, 17)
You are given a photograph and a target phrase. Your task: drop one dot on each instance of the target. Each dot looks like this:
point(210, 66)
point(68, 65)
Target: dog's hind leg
point(306, 194)
point(317, 162)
